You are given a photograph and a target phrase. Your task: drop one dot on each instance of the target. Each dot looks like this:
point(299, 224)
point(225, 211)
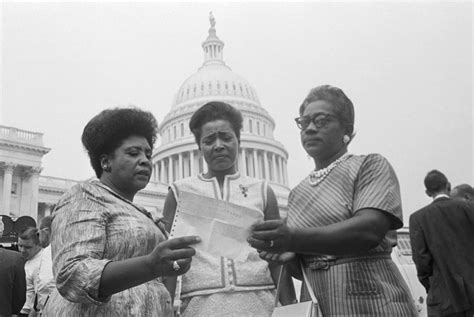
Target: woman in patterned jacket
point(342, 218)
point(108, 254)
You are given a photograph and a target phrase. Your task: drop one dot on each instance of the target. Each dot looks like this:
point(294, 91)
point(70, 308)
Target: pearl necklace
point(316, 177)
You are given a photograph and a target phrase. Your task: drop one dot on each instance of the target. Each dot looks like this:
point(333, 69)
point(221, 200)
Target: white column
point(49, 210)
point(255, 163)
point(180, 166)
point(274, 169)
point(282, 179)
point(162, 171)
point(191, 163)
point(7, 187)
point(243, 166)
point(34, 179)
point(265, 164)
point(170, 170)
point(285, 174)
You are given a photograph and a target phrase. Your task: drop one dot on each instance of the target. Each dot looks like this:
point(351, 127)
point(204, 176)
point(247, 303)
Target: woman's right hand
point(279, 258)
point(162, 258)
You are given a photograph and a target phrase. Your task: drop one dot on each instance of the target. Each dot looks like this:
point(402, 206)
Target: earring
point(106, 168)
point(346, 139)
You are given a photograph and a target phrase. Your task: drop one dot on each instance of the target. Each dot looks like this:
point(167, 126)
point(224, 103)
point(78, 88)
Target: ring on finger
point(176, 266)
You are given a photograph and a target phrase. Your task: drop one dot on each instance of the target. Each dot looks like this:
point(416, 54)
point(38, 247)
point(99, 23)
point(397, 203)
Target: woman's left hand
point(270, 235)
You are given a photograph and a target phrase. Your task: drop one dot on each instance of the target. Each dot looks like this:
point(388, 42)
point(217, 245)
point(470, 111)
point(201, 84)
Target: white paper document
point(223, 226)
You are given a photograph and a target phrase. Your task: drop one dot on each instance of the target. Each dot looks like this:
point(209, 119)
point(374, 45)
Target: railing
point(56, 182)
point(21, 136)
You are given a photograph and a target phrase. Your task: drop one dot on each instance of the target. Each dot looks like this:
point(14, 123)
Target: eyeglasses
point(320, 120)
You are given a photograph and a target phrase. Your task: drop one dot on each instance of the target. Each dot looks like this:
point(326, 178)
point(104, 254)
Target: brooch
point(244, 190)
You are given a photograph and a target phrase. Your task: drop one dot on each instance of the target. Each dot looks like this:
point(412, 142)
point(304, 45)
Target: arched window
point(250, 126)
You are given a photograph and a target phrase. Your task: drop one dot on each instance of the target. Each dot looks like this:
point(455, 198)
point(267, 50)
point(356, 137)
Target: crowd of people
point(100, 254)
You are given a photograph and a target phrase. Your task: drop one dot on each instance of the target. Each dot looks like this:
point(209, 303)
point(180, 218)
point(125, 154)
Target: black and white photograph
point(341, 131)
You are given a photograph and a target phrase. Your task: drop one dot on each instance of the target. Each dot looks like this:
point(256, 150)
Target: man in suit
point(12, 280)
point(442, 241)
point(463, 191)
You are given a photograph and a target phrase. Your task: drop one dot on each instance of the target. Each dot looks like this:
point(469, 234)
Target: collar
point(440, 196)
point(113, 192)
point(230, 176)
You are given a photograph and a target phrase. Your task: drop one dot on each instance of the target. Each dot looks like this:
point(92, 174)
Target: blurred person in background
point(12, 280)
point(30, 249)
point(441, 237)
point(44, 280)
point(463, 191)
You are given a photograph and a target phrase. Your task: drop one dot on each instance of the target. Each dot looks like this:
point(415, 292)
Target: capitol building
point(25, 192)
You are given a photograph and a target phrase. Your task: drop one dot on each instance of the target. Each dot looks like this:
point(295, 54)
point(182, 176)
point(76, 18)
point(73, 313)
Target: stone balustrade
point(21, 136)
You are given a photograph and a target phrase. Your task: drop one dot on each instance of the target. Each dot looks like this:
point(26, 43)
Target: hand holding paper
point(223, 227)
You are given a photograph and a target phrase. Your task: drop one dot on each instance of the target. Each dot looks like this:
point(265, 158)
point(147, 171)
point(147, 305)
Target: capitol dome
point(260, 156)
point(216, 80)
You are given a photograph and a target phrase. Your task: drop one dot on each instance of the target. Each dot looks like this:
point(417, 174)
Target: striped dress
point(370, 284)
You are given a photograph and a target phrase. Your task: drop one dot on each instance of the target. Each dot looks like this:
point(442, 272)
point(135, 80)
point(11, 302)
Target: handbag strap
point(177, 298)
point(278, 291)
point(306, 282)
point(308, 286)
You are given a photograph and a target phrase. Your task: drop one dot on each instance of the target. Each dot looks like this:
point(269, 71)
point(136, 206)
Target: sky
point(407, 67)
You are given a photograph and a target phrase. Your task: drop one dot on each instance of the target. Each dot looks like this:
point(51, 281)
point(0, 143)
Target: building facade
point(21, 153)
point(260, 155)
point(25, 192)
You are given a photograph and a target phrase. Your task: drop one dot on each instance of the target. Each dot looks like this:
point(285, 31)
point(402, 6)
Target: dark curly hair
point(104, 133)
point(343, 107)
point(435, 181)
point(215, 110)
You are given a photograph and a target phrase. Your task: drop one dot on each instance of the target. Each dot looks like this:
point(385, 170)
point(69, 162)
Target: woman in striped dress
point(342, 218)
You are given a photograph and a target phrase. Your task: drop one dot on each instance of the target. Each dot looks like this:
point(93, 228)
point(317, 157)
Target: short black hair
point(343, 107)
point(215, 110)
point(45, 222)
point(435, 181)
point(30, 233)
point(463, 190)
point(104, 133)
